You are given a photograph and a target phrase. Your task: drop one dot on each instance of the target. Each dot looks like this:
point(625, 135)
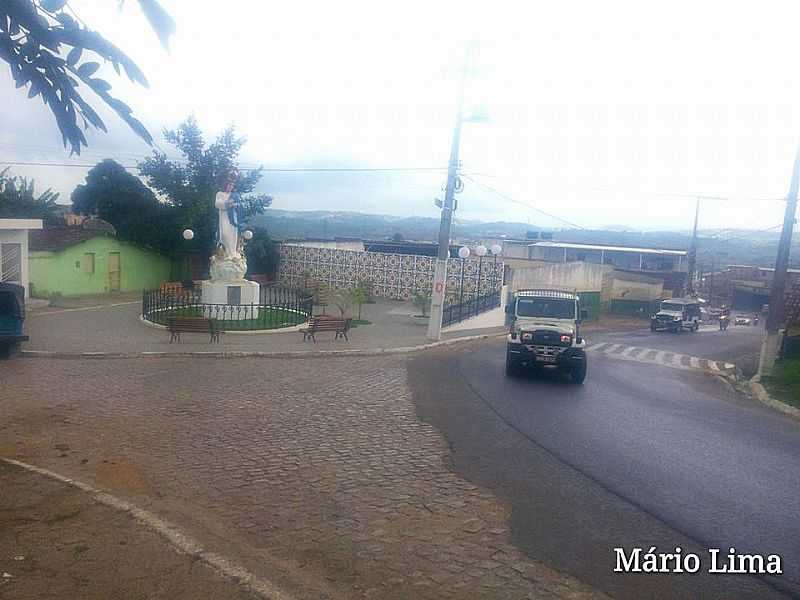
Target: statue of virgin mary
point(228, 262)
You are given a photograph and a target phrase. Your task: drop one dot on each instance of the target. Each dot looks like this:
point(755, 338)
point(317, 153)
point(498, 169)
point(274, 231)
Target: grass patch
point(784, 383)
point(273, 318)
point(357, 322)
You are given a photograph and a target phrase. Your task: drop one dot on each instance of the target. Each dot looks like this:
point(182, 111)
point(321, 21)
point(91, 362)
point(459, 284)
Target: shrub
point(422, 301)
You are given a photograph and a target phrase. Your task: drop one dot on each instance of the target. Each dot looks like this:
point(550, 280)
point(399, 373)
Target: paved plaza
point(315, 474)
point(116, 327)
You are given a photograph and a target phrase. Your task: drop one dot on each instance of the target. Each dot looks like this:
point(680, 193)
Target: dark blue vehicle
point(12, 315)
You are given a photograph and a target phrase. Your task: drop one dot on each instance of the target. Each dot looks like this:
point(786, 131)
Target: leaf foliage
point(54, 55)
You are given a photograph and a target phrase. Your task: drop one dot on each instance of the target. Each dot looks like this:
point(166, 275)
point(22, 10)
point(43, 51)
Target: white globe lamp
point(463, 252)
point(496, 249)
point(188, 234)
point(247, 234)
point(480, 250)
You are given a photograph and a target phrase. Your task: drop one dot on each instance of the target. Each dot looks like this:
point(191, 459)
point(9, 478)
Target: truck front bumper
point(565, 358)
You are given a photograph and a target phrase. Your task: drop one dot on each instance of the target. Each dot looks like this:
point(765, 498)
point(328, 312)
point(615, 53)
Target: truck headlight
point(676, 318)
point(526, 337)
point(566, 339)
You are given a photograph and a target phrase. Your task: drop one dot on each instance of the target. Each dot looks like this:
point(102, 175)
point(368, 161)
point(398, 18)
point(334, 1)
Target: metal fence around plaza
point(278, 307)
point(455, 313)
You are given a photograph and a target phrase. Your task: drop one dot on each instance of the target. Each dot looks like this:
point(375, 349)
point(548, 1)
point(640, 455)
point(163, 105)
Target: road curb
point(762, 395)
point(289, 329)
point(228, 354)
point(182, 542)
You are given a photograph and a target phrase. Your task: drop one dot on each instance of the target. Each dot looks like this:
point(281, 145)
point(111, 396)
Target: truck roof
point(538, 293)
point(681, 301)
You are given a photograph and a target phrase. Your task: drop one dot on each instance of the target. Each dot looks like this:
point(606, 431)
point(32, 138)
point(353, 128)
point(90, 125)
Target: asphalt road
point(739, 344)
point(639, 456)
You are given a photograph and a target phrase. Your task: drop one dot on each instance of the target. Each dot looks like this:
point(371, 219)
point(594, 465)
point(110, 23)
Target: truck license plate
point(545, 359)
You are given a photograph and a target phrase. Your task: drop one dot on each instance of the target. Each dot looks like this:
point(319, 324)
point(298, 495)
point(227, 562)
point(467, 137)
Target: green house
point(88, 259)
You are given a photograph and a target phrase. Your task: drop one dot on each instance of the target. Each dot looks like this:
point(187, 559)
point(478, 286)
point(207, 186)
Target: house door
point(114, 275)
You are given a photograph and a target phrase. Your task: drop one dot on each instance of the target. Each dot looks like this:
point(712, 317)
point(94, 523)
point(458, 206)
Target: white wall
point(18, 236)
point(356, 245)
point(580, 276)
point(636, 290)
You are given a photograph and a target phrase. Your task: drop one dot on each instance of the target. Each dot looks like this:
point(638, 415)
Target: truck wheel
point(512, 366)
point(653, 327)
point(578, 372)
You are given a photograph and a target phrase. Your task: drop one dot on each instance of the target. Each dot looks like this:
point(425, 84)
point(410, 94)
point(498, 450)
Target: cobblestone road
point(313, 472)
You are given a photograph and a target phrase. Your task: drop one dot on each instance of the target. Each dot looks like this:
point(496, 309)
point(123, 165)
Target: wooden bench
point(178, 325)
point(325, 323)
point(174, 288)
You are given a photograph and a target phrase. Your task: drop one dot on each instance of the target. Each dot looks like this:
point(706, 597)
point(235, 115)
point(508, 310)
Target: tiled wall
point(398, 276)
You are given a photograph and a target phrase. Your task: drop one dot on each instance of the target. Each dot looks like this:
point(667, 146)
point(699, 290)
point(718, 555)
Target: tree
point(191, 185)
point(18, 199)
point(43, 44)
point(117, 196)
point(398, 237)
point(261, 253)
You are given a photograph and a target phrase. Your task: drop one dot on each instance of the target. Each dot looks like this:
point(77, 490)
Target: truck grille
point(548, 338)
point(548, 350)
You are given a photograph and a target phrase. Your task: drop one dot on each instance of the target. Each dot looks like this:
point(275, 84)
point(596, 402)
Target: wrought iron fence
point(455, 313)
point(278, 307)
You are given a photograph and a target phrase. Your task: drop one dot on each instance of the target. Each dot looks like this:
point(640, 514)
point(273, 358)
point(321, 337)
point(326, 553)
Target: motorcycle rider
point(724, 318)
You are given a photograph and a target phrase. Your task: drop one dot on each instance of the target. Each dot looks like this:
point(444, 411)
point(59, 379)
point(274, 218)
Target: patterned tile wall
point(397, 276)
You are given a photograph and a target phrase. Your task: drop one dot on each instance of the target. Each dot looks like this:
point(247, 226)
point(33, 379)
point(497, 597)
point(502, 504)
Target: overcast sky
point(600, 113)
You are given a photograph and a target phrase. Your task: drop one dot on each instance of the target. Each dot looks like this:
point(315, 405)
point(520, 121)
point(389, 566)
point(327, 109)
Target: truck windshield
point(546, 307)
point(672, 307)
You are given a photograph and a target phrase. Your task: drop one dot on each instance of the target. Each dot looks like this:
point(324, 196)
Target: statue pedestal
point(230, 300)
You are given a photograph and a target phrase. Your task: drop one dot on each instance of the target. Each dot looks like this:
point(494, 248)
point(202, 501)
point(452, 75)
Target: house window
point(11, 262)
point(88, 263)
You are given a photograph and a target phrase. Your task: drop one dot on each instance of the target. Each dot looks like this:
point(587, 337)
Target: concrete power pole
point(692, 266)
point(440, 272)
point(775, 317)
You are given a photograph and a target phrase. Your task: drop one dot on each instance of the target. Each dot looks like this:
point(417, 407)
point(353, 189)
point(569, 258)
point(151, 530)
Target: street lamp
point(463, 254)
point(188, 234)
point(496, 250)
point(481, 252)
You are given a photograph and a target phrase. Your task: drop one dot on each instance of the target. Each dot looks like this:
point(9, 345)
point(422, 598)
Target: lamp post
point(496, 250)
point(481, 252)
point(463, 254)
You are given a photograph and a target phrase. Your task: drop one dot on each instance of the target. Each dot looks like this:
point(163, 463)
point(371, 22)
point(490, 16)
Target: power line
point(265, 169)
point(515, 201)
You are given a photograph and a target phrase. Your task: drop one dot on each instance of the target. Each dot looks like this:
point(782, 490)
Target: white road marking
point(44, 313)
point(672, 360)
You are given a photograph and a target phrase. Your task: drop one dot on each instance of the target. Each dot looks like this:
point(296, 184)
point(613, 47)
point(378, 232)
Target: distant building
point(385, 246)
point(620, 257)
point(744, 287)
point(14, 250)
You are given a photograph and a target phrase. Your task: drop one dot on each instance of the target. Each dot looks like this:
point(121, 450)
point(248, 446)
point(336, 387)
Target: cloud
point(598, 113)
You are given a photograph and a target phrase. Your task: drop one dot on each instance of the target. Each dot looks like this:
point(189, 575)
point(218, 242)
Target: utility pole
point(440, 271)
point(693, 253)
point(775, 317)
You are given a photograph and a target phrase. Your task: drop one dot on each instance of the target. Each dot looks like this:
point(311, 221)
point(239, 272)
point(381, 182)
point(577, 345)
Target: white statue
point(228, 262)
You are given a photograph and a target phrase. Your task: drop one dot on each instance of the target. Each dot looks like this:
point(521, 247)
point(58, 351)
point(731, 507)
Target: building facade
point(71, 261)
point(14, 250)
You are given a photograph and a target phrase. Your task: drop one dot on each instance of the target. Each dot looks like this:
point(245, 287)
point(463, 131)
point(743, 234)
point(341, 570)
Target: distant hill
point(715, 247)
